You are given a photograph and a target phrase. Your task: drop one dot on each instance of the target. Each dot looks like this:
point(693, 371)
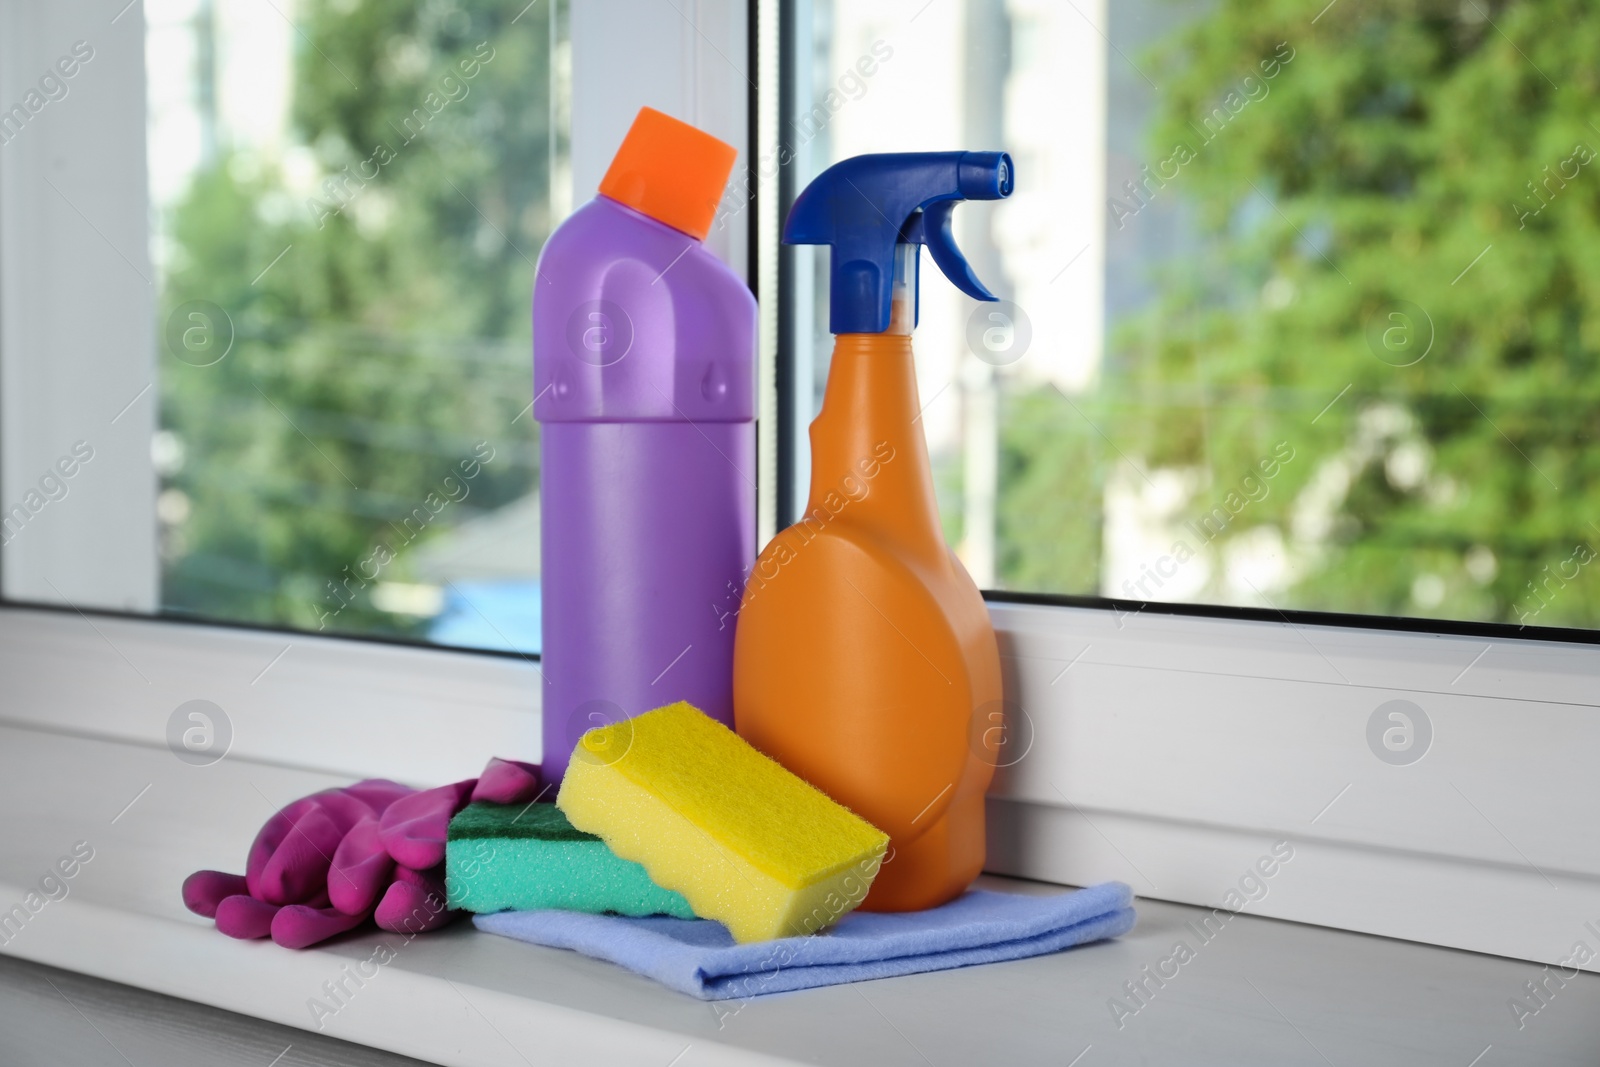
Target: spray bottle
point(644, 387)
point(864, 655)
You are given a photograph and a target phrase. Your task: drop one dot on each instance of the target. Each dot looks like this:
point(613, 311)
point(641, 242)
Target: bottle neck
point(869, 458)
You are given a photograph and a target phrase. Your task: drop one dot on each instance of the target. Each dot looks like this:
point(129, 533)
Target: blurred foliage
point(1402, 140)
point(1049, 517)
point(390, 337)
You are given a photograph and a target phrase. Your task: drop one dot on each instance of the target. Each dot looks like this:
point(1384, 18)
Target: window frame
point(76, 281)
point(1142, 719)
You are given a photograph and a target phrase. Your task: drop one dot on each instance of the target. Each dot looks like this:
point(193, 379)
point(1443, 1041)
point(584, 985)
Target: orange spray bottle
point(864, 659)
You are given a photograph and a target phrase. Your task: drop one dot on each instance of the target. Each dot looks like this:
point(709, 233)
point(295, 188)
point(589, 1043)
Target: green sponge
point(525, 856)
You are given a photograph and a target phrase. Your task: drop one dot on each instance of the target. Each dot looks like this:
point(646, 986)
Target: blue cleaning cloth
point(700, 958)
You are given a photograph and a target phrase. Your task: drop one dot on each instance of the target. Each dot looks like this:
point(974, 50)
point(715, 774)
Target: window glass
point(348, 199)
point(1300, 302)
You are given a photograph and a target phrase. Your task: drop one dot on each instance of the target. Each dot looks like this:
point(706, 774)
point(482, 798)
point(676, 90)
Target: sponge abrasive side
point(528, 856)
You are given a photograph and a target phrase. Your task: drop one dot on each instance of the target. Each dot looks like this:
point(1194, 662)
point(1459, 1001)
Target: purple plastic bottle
point(643, 375)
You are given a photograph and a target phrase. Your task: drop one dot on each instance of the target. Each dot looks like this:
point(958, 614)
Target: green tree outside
point(381, 334)
point(1420, 178)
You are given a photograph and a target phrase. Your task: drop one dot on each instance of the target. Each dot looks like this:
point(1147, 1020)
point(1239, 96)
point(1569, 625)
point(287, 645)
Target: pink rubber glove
point(414, 902)
point(325, 863)
point(289, 860)
point(290, 857)
point(413, 830)
point(301, 925)
point(203, 891)
point(409, 843)
point(361, 869)
point(506, 781)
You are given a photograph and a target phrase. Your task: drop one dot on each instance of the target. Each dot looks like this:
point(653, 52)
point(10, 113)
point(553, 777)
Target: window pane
point(348, 200)
point(1303, 302)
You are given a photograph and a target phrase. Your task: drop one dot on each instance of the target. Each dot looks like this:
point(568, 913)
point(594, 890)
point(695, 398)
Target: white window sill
point(1166, 752)
point(1262, 990)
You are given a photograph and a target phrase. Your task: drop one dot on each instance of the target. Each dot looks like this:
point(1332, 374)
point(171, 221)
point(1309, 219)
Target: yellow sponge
point(747, 842)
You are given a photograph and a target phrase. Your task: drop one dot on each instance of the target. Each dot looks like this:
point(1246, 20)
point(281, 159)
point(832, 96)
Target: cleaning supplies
point(698, 959)
point(747, 843)
point(528, 856)
point(865, 654)
point(328, 862)
point(644, 366)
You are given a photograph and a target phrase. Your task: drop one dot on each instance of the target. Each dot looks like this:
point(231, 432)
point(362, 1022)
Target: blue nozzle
point(865, 205)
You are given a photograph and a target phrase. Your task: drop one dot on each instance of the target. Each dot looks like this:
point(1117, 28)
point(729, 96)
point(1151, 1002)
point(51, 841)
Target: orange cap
point(670, 171)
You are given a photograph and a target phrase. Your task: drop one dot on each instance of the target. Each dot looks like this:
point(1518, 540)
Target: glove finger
point(413, 904)
point(245, 917)
point(431, 880)
point(272, 833)
point(413, 828)
point(298, 869)
point(299, 925)
point(204, 890)
point(346, 807)
point(379, 793)
point(339, 807)
point(361, 869)
point(507, 782)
